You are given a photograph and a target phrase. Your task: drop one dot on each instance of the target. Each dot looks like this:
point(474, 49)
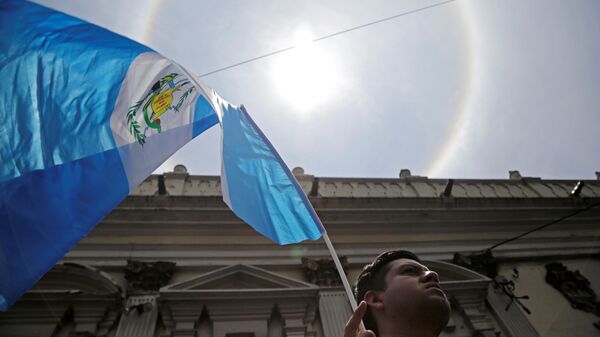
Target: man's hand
point(354, 328)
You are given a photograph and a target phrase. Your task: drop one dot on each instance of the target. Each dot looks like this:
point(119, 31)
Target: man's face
point(413, 292)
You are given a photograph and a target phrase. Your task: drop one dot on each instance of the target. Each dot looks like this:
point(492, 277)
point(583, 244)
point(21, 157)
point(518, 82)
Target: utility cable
point(572, 214)
point(329, 36)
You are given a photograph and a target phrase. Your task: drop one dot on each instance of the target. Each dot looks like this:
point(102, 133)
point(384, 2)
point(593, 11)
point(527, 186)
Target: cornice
point(405, 186)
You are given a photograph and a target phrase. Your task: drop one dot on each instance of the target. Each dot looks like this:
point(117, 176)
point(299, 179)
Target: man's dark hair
point(372, 277)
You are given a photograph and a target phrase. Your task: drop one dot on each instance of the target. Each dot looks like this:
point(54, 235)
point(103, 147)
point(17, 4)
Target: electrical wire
point(328, 36)
point(572, 214)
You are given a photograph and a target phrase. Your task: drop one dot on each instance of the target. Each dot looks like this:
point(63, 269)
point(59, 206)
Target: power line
point(329, 36)
point(581, 210)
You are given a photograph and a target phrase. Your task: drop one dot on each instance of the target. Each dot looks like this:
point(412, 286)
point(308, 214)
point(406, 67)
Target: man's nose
point(430, 276)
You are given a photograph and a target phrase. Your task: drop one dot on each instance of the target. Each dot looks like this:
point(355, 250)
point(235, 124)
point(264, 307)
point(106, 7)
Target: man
point(398, 297)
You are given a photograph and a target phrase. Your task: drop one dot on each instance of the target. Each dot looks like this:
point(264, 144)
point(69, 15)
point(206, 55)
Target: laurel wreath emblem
point(132, 125)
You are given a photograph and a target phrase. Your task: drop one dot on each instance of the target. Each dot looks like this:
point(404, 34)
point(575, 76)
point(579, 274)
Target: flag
point(258, 186)
point(86, 115)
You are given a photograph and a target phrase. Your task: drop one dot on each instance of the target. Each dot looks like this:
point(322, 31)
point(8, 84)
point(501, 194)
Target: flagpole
point(340, 269)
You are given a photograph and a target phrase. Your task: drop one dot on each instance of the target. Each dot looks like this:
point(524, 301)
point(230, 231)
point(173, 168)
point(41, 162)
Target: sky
point(466, 89)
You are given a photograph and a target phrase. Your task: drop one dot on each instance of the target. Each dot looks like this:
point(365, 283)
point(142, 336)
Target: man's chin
point(445, 311)
point(439, 308)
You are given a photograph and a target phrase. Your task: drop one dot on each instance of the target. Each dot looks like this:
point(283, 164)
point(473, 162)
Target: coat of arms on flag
point(157, 101)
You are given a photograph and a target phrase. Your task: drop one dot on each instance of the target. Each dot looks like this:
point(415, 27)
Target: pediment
point(238, 277)
point(74, 277)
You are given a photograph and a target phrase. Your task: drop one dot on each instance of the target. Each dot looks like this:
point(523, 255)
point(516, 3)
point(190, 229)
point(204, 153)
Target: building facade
point(173, 260)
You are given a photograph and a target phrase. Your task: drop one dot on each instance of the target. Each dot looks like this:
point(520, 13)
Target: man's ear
point(373, 299)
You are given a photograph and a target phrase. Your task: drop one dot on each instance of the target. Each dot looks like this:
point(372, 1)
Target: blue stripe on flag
point(204, 116)
point(260, 188)
point(65, 75)
point(46, 212)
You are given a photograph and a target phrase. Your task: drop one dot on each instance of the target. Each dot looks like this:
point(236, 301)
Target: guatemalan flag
point(86, 115)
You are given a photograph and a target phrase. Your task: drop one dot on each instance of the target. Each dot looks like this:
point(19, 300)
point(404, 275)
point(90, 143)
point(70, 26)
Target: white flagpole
point(340, 270)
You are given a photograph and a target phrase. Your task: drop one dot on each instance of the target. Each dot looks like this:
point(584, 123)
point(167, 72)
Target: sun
point(306, 76)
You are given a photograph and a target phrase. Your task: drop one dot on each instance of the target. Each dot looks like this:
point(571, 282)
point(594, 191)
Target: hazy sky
point(468, 89)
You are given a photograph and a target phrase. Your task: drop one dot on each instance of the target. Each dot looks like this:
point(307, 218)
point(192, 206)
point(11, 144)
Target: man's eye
point(411, 271)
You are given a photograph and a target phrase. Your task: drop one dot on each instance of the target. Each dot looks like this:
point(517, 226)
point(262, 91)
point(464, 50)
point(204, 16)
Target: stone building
point(172, 260)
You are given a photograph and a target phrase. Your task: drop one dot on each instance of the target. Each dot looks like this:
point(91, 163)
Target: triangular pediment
point(239, 277)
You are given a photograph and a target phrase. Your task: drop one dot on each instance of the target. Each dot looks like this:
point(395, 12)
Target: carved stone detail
point(574, 286)
point(148, 276)
point(481, 262)
point(322, 272)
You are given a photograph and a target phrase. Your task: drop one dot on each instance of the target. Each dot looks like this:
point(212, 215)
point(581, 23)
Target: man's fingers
point(351, 328)
point(366, 333)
